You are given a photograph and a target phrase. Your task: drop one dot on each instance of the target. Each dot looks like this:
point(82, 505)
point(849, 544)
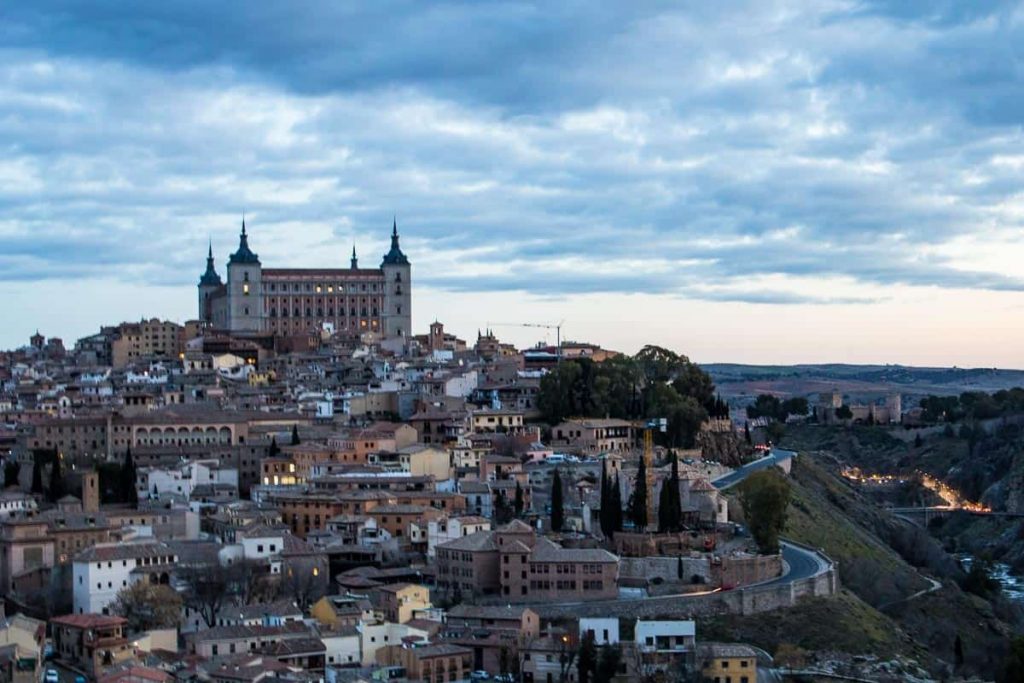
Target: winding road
point(776, 456)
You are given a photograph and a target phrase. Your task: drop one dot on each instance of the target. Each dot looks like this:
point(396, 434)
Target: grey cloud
point(504, 134)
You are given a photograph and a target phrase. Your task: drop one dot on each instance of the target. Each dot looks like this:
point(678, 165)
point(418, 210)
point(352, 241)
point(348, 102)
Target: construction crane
point(557, 328)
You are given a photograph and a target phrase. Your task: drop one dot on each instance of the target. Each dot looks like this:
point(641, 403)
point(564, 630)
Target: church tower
point(397, 290)
point(245, 288)
point(209, 283)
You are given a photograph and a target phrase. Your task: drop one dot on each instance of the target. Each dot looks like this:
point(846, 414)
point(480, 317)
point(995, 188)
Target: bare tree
point(147, 606)
point(207, 589)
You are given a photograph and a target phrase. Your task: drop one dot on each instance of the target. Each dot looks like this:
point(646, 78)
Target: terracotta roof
point(124, 551)
point(88, 620)
point(487, 612)
point(475, 542)
point(548, 551)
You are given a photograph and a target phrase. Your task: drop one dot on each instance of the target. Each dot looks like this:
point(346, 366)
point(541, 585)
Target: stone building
point(512, 563)
point(293, 301)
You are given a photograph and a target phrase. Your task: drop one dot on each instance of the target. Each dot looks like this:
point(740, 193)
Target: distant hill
point(860, 382)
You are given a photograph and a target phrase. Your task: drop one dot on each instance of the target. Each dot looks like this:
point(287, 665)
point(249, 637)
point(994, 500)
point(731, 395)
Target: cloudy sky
point(757, 182)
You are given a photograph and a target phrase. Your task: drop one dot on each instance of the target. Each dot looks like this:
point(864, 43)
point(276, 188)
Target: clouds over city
point(780, 153)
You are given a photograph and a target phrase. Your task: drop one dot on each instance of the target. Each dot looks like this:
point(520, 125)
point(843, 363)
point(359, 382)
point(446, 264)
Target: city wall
point(751, 600)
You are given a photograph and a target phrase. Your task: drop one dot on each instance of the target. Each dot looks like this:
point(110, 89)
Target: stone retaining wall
point(740, 601)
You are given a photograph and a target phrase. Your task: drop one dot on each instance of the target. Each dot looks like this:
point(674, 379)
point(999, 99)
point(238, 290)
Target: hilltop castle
point(289, 301)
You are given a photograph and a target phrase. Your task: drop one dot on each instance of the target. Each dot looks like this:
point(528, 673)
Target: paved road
point(802, 564)
point(774, 457)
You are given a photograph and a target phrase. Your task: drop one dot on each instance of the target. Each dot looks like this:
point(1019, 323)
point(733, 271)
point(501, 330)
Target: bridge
point(911, 514)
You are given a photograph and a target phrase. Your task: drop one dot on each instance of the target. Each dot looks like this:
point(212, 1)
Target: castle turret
point(397, 287)
point(245, 288)
point(209, 284)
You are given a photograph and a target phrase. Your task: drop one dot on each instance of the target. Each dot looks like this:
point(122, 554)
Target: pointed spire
point(355, 260)
point(244, 253)
point(395, 256)
point(210, 277)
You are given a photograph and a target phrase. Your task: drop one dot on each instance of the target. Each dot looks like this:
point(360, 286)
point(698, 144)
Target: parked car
point(479, 676)
point(51, 676)
point(80, 679)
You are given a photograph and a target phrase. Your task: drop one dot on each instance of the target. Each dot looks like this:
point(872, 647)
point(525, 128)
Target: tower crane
point(556, 327)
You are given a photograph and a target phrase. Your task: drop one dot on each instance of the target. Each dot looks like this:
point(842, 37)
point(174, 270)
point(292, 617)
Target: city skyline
point(771, 183)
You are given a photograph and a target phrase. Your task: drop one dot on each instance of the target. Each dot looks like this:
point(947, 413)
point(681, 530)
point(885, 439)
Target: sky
point(761, 182)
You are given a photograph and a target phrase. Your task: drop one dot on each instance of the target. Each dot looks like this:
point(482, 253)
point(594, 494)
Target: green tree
point(586, 659)
point(127, 491)
point(746, 434)
point(843, 412)
point(918, 442)
point(684, 415)
point(58, 487)
point(12, 468)
point(148, 606)
point(519, 502)
point(557, 509)
point(978, 579)
point(765, 497)
point(958, 652)
point(608, 664)
point(638, 500)
point(273, 450)
point(605, 513)
point(1013, 664)
point(503, 512)
point(37, 472)
point(670, 513)
point(616, 498)
point(766, 405)
point(295, 435)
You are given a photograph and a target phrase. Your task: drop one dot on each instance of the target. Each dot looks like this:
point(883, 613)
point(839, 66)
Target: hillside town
point(231, 500)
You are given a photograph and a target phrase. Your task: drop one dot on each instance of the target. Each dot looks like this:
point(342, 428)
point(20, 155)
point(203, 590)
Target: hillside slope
point(873, 614)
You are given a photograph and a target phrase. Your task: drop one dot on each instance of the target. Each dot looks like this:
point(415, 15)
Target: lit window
point(245, 289)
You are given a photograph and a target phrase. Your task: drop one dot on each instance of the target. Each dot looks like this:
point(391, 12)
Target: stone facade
point(293, 301)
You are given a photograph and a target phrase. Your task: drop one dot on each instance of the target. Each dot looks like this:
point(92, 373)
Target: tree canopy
point(148, 606)
point(972, 405)
point(765, 497)
point(766, 405)
point(655, 383)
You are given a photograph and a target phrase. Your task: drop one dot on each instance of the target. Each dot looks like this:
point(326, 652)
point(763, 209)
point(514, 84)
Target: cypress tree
point(519, 502)
point(746, 434)
point(37, 472)
point(58, 489)
point(675, 503)
point(12, 468)
point(274, 449)
point(295, 435)
point(616, 497)
point(606, 505)
point(664, 505)
point(126, 482)
point(557, 510)
point(638, 501)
